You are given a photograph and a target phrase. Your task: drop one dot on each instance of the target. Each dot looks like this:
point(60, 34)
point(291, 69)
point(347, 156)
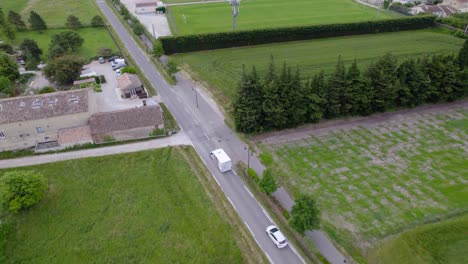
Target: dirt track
point(294, 134)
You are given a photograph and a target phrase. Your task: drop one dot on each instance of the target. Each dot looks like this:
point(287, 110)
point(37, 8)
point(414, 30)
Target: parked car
point(111, 59)
point(118, 72)
point(102, 60)
point(276, 236)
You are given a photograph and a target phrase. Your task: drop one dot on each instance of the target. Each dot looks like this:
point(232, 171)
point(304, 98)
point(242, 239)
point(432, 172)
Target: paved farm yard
point(222, 69)
point(378, 180)
point(217, 17)
point(144, 207)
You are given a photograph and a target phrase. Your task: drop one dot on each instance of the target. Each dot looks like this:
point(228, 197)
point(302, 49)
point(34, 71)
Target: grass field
point(55, 12)
point(146, 207)
point(444, 242)
point(95, 38)
point(14, 5)
point(374, 181)
point(222, 68)
point(217, 17)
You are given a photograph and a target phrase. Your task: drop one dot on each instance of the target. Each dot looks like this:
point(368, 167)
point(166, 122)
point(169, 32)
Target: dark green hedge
point(210, 41)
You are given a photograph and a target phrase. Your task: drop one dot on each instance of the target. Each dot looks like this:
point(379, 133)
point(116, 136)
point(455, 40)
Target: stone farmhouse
point(63, 119)
point(27, 122)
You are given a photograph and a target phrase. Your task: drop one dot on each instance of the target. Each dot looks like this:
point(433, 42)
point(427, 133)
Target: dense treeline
point(180, 44)
point(281, 99)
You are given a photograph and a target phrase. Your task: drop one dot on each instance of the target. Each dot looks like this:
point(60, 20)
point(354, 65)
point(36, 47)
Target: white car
point(118, 72)
point(276, 236)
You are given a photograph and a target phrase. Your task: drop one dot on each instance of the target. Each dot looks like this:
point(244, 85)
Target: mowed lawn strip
point(94, 39)
point(373, 182)
point(444, 242)
point(254, 14)
point(145, 207)
point(222, 69)
point(55, 12)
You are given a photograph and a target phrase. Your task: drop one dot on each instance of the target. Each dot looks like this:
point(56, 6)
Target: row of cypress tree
point(282, 99)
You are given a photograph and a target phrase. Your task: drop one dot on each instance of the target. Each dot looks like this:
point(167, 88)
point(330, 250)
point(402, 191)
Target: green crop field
point(94, 39)
point(377, 180)
point(222, 69)
point(145, 207)
point(217, 17)
point(445, 242)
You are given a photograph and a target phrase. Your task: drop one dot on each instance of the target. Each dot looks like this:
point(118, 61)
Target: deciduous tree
point(6, 87)
point(463, 55)
point(29, 46)
point(268, 183)
point(97, 21)
point(64, 42)
point(8, 67)
point(304, 214)
point(20, 190)
point(64, 70)
point(9, 31)
point(73, 22)
point(128, 69)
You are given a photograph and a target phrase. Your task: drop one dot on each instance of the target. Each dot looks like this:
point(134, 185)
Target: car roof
point(279, 235)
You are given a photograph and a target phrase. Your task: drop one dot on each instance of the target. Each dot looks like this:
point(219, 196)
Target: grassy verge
point(169, 121)
point(443, 242)
point(378, 181)
point(279, 215)
point(222, 69)
point(135, 207)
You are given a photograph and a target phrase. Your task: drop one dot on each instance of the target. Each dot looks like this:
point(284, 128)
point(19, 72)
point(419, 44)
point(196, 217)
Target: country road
point(205, 128)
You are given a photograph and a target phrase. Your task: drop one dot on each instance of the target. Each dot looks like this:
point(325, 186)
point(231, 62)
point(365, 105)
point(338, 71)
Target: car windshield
point(274, 230)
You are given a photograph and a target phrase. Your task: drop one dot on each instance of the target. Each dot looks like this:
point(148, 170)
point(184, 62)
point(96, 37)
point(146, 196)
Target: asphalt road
point(205, 127)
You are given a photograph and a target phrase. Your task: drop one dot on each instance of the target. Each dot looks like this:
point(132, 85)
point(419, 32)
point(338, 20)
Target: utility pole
point(248, 157)
point(235, 4)
point(196, 96)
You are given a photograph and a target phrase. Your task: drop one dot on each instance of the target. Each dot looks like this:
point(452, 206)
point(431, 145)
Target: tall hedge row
point(181, 44)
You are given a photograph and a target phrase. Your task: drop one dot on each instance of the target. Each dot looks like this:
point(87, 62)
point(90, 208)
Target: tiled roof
point(107, 122)
point(128, 81)
point(35, 107)
point(74, 135)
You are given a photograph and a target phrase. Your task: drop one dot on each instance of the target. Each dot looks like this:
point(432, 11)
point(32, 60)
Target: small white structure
point(145, 6)
point(88, 73)
point(223, 161)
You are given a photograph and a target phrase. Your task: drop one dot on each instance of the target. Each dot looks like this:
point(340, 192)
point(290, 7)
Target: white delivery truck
point(222, 159)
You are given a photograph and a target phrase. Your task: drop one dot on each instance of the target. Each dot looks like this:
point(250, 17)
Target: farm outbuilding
point(145, 6)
